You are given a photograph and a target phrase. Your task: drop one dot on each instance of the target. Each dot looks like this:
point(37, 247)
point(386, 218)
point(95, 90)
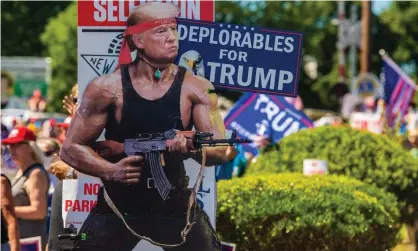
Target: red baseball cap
point(52, 122)
point(18, 135)
point(66, 123)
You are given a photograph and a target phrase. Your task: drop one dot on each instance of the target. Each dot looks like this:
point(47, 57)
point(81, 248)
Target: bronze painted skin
point(157, 47)
point(160, 45)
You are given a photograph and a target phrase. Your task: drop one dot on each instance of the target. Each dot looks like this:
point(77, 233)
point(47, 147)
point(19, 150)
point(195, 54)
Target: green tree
point(22, 23)
point(401, 18)
point(60, 39)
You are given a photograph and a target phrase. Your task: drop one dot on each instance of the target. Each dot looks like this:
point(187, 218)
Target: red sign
point(115, 13)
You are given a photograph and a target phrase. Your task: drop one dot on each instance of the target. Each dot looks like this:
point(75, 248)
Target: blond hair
point(36, 153)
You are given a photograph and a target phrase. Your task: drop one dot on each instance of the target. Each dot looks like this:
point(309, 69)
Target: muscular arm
point(9, 215)
point(206, 118)
point(86, 126)
point(36, 187)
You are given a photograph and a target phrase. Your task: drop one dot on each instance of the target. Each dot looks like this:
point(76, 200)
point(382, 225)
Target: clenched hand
point(179, 144)
point(127, 170)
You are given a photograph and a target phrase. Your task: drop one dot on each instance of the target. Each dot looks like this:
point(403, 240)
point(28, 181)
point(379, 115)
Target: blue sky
point(379, 6)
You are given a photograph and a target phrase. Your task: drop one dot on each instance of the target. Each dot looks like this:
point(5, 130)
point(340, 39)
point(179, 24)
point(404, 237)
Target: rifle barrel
point(224, 141)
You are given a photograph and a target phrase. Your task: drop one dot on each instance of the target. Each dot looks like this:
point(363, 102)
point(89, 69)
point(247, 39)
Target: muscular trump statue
point(147, 94)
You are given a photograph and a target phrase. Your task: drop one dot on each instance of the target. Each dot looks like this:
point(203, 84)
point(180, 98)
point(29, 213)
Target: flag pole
point(386, 130)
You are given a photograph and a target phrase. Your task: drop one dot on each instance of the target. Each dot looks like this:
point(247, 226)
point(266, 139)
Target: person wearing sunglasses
point(30, 185)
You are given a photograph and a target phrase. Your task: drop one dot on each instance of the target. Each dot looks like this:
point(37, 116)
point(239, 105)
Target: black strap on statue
point(192, 201)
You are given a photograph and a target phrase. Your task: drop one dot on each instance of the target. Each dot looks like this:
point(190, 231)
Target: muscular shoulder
point(199, 89)
point(102, 91)
point(105, 87)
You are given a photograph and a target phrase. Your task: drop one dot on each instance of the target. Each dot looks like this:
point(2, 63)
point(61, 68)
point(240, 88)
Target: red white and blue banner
point(399, 89)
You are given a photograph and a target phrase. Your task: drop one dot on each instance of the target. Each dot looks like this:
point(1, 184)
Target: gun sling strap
point(192, 201)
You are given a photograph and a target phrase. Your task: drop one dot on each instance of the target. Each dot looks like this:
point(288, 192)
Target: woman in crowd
point(10, 235)
point(30, 185)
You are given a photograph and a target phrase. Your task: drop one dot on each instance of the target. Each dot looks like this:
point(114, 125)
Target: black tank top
point(4, 235)
point(140, 115)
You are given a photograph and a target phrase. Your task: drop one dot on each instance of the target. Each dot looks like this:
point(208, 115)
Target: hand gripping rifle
point(152, 145)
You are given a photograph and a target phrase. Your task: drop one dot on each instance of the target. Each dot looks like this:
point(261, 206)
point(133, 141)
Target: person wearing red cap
point(30, 185)
point(147, 94)
point(63, 127)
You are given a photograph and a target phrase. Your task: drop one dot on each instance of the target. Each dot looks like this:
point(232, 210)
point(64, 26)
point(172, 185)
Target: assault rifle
point(151, 146)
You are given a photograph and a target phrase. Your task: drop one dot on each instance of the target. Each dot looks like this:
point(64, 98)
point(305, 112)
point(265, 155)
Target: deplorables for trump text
point(241, 57)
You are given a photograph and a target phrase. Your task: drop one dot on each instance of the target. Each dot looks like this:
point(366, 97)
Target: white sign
point(366, 121)
point(79, 196)
point(314, 166)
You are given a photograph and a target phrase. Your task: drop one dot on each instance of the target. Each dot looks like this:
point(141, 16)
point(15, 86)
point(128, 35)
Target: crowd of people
point(28, 154)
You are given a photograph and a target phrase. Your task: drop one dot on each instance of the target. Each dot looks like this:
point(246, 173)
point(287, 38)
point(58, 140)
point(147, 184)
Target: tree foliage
point(22, 22)
point(60, 38)
point(401, 18)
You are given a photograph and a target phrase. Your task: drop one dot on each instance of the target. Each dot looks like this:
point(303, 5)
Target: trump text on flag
point(254, 111)
point(240, 57)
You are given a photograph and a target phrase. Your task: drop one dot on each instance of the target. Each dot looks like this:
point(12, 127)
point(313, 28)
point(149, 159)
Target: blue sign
point(258, 114)
point(241, 58)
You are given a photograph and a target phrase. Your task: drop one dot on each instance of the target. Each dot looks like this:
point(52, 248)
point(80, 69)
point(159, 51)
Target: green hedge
point(294, 212)
point(374, 159)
